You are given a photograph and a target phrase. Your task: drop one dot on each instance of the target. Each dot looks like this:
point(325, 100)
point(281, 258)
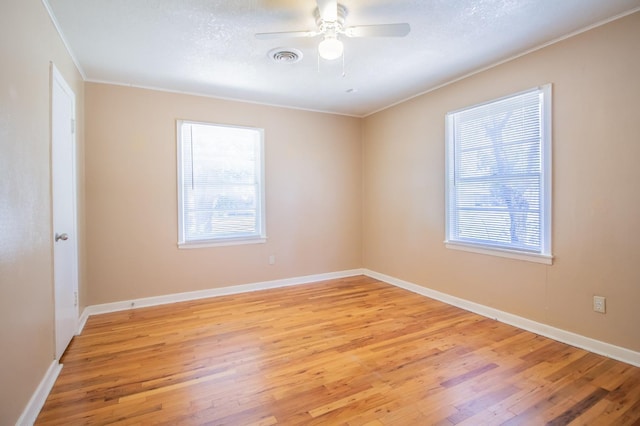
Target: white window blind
point(499, 174)
point(221, 192)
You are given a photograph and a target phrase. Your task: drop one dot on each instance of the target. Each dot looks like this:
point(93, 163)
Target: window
point(499, 177)
point(220, 184)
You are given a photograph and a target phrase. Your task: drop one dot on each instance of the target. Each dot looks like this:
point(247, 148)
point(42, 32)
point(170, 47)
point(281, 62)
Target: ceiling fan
point(330, 20)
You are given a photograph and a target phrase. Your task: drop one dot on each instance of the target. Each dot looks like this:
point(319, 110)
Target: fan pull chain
point(344, 72)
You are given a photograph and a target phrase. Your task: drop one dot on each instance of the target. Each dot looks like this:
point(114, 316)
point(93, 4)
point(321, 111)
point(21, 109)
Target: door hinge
point(75, 298)
point(73, 126)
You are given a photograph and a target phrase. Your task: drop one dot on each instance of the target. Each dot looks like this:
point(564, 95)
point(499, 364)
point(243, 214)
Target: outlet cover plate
point(599, 304)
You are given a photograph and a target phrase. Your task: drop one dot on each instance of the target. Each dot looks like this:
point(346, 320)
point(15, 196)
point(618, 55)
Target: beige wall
point(28, 42)
point(596, 198)
point(319, 218)
point(313, 195)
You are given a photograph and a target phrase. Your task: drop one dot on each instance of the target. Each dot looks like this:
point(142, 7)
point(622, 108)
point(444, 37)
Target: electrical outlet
point(272, 259)
point(599, 304)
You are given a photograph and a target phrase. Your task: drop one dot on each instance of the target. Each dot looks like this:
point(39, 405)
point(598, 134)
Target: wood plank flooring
point(343, 352)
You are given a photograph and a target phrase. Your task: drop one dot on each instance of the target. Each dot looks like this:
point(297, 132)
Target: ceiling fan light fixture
point(330, 48)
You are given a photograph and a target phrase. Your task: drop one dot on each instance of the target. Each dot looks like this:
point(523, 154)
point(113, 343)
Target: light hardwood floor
point(343, 352)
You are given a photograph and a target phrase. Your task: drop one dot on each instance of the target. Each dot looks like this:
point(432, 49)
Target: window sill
point(222, 242)
point(510, 254)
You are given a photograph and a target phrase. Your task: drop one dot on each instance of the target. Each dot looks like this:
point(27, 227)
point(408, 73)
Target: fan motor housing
point(338, 25)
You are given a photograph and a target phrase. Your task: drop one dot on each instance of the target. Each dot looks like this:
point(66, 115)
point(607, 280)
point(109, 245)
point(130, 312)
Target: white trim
point(222, 242)
point(504, 61)
point(220, 97)
point(39, 397)
point(510, 254)
point(82, 321)
point(346, 114)
point(547, 167)
point(67, 46)
point(602, 348)
point(35, 404)
point(260, 234)
point(543, 88)
point(213, 292)
point(452, 239)
point(573, 339)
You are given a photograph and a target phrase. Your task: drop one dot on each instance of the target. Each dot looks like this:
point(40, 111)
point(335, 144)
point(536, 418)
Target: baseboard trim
point(35, 404)
point(573, 339)
point(213, 292)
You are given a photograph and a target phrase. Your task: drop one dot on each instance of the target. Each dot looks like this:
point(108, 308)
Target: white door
point(63, 177)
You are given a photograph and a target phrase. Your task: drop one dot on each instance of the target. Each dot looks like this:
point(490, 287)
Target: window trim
point(545, 255)
point(261, 235)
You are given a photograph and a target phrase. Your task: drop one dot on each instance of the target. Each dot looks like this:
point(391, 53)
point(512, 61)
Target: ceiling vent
point(284, 55)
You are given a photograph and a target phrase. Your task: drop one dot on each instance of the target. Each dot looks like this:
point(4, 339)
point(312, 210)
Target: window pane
point(496, 174)
point(221, 182)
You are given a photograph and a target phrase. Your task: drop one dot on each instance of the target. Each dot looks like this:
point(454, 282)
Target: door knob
point(63, 237)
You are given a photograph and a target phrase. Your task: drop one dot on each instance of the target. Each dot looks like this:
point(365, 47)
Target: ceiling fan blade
point(381, 30)
point(286, 34)
point(328, 10)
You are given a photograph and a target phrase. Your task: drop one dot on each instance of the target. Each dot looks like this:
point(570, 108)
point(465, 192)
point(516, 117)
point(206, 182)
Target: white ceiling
point(208, 47)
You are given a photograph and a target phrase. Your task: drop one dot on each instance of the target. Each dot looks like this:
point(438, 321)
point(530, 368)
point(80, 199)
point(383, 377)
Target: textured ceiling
point(208, 47)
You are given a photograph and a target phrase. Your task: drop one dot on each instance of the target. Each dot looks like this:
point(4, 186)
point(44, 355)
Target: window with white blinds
point(220, 184)
point(499, 177)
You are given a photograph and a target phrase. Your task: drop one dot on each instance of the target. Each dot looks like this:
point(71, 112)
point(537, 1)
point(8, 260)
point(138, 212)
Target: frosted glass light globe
point(330, 48)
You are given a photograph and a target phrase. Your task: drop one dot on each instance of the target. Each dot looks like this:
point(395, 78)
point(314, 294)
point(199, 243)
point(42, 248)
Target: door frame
point(56, 78)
